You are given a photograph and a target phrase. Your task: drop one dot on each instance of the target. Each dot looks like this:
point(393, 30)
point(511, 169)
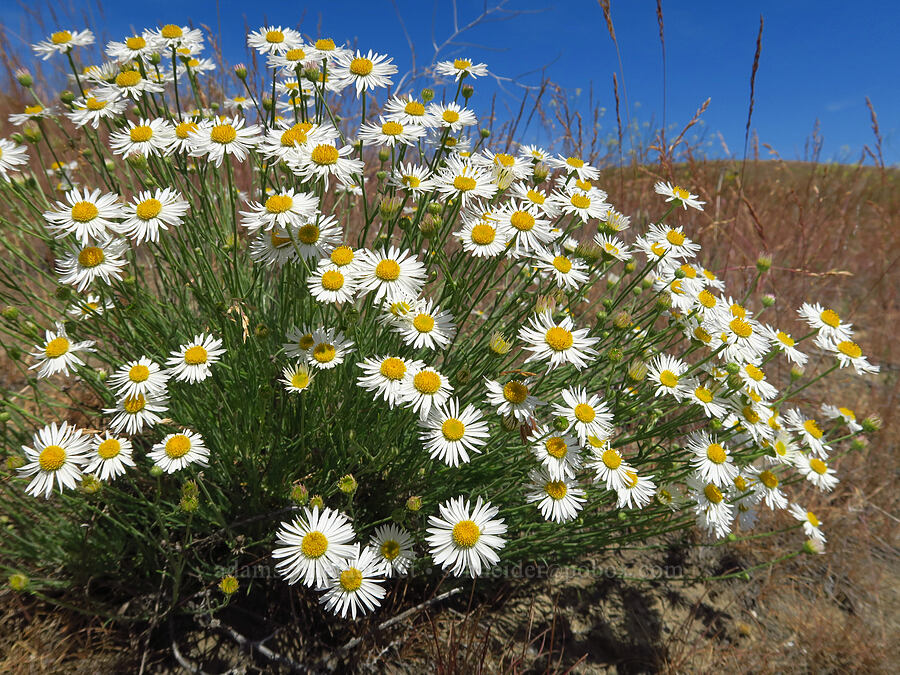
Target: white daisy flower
point(426, 326)
point(754, 380)
point(127, 84)
point(82, 266)
point(558, 453)
point(424, 389)
point(300, 341)
point(464, 539)
point(364, 72)
point(385, 375)
point(323, 160)
point(191, 361)
point(273, 248)
point(587, 415)
point(513, 398)
point(408, 110)
point(393, 548)
point(609, 467)
point(557, 342)
point(412, 178)
point(534, 197)
point(296, 378)
point(816, 471)
point(451, 116)
point(173, 36)
point(584, 205)
point(289, 60)
point(58, 455)
point(450, 434)
point(811, 523)
point(483, 236)
point(272, 40)
point(12, 156)
point(142, 376)
point(393, 274)
point(559, 500)
point(826, 321)
point(390, 133)
point(714, 514)
point(848, 353)
point(712, 460)
point(534, 152)
point(505, 168)
point(324, 49)
point(284, 209)
point(765, 486)
point(84, 214)
point(59, 354)
point(238, 104)
point(222, 136)
point(706, 399)
point(636, 492)
point(784, 343)
point(569, 273)
point(312, 545)
point(176, 451)
point(354, 584)
point(742, 336)
point(149, 212)
point(183, 136)
point(329, 284)
point(576, 165)
point(109, 456)
point(329, 347)
point(784, 450)
point(845, 414)
point(136, 47)
point(146, 138)
point(460, 179)
point(132, 414)
point(530, 231)
point(679, 195)
point(677, 246)
point(92, 305)
point(63, 41)
point(809, 432)
point(346, 260)
point(460, 68)
point(32, 113)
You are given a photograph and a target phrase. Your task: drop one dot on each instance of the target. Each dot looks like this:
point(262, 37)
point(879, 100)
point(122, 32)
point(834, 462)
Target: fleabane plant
point(332, 328)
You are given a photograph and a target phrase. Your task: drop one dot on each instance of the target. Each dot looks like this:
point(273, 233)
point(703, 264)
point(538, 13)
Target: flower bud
point(240, 71)
point(316, 501)
point(630, 267)
point(463, 376)
point(384, 155)
point(732, 368)
point(560, 423)
point(427, 95)
point(858, 444)
point(299, 494)
point(435, 208)
point(871, 424)
point(154, 58)
point(813, 547)
point(615, 355)
point(13, 462)
point(347, 484)
point(602, 315)
point(18, 582)
point(663, 302)
point(429, 225)
point(390, 207)
point(637, 371)
point(622, 320)
point(33, 134)
point(768, 300)
point(10, 313)
point(381, 176)
point(796, 372)
point(24, 78)
point(261, 331)
point(156, 471)
point(14, 352)
point(66, 97)
point(414, 503)
point(468, 90)
point(509, 423)
point(229, 585)
point(680, 273)
point(763, 263)
point(499, 344)
point(715, 424)
point(89, 484)
point(484, 133)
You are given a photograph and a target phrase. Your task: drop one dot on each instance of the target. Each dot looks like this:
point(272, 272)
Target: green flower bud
point(17, 138)
point(189, 505)
point(137, 162)
point(381, 176)
point(468, 90)
point(646, 283)
point(10, 313)
point(735, 381)
point(240, 71)
point(602, 315)
point(347, 484)
point(316, 501)
point(509, 423)
point(731, 536)
point(156, 471)
point(261, 331)
point(541, 171)
point(89, 484)
point(858, 444)
point(435, 208)
point(66, 97)
point(622, 320)
point(268, 104)
point(214, 106)
point(30, 328)
point(630, 267)
point(663, 302)
point(299, 494)
point(715, 424)
point(732, 368)
point(796, 373)
point(154, 58)
point(560, 423)
point(463, 376)
point(18, 582)
point(615, 355)
point(24, 78)
point(109, 164)
point(390, 207)
point(384, 154)
point(414, 503)
point(768, 300)
point(484, 133)
point(637, 371)
point(871, 424)
point(813, 547)
point(429, 225)
point(33, 134)
point(229, 585)
point(680, 273)
point(13, 462)
point(763, 263)
point(427, 95)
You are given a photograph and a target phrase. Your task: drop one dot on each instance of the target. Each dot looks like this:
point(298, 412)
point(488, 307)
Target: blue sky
point(819, 59)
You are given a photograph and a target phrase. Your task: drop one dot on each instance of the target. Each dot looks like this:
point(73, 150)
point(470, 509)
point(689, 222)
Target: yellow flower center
point(275, 36)
point(411, 181)
point(769, 479)
point(33, 109)
point(785, 339)
point(387, 270)
point(427, 382)
point(674, 237)
point(483, 234)
point(314, 544)
point(462, 64)
point(423, 323)
point(342, 255)
point(574, 162)
point(109, 448)
point(846, 412)
point(84, 212)
point(658, 249)
point(141, 134)
point(351, 579)
point(91, 256)
point(391, 128)
point(305, 342)
point(830, 318)
point(94, 104)
point(464, 183)
point(300, 380)
point(556, 447)
point(740, 483)
point(390, 549)
point(393, 368)
point(503, 159)
point(681, 193)
point(750, 414)
point(450, 116)
point(611, 458)
point(171, 31)
point(184, 129)
point(195, 355)
point(223, 133)
point(294, 135)
point(689, 271)
point(414, 108)
point(716, 453)
point(325, 44)
point(466, 534)
point(128, 78)
point(515, 392)
point(556, 489)
point(279, 203)
point(361, 66)
point(668, 379)
point(675, 287)
point(818, 466)
point(136, 42)
point(453, 429)
point(812, 429)
point(277, 240)
point(324, 352)
point(811, 517)
point(178, 446)
point(580, 201)
point(585, 413)
point(713, 494)
point(740, 327)
point(583, 185)
point(148, 209)
point(703, 394)
point(134, 404)
point(754, 373)
point(850, 349)
point(139, 373)
point(61, 37)
point(56, 347)
point(701, 334)
point(308, 234)
point(558, 338)
point(332, 280)
point(324, 155)
point(52, 458)
point(562, 263)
